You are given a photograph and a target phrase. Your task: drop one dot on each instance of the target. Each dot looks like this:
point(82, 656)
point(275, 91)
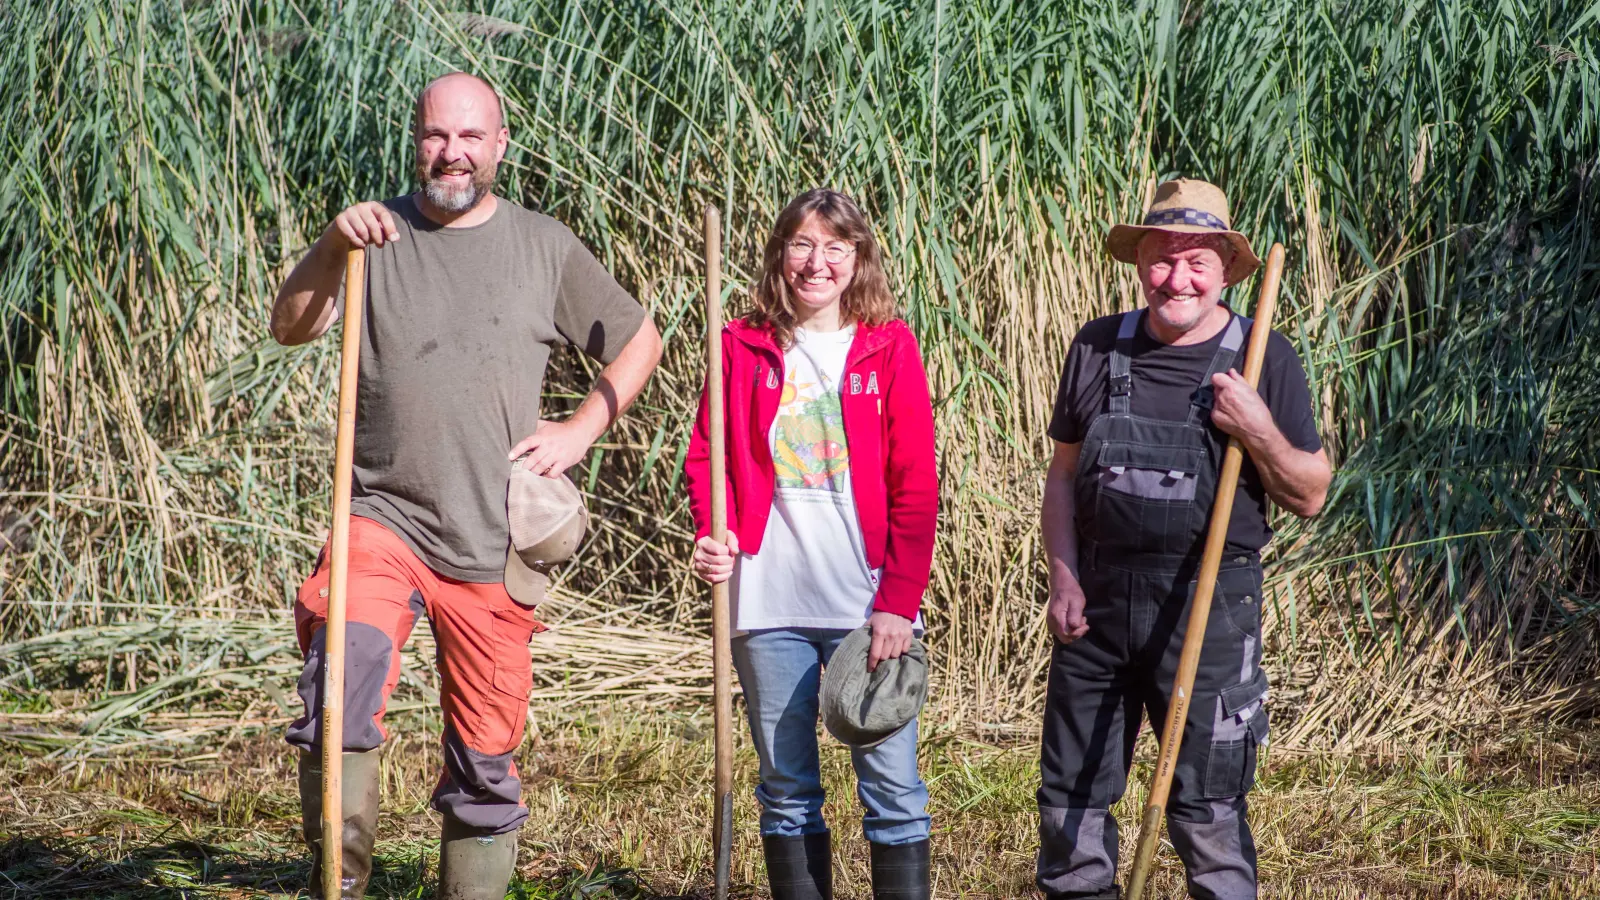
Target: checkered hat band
point(1183, 216)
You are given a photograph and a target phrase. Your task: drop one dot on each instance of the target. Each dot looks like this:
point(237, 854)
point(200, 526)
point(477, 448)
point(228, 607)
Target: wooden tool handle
point(355, 284)
point(721, 624)
point(1205, 587)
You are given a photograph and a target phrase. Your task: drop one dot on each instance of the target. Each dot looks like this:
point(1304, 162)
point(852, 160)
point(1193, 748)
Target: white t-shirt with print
point(812, 569)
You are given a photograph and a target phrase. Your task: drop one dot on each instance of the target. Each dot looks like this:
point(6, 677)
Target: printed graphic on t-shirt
point(809, 445)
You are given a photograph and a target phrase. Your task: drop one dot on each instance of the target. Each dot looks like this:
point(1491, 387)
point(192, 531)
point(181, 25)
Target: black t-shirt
point(1164, 380)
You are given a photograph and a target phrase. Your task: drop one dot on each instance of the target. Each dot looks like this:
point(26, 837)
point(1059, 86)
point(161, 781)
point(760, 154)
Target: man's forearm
point(304, 308)
point(1295, 479)
point(620, 382)
point(1058, 528)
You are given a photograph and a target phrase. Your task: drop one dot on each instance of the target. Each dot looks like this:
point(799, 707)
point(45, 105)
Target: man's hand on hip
point(1065, 613)
point(554, 447)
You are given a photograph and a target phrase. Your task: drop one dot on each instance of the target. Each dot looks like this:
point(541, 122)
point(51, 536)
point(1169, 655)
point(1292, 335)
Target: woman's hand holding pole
point(713, 561)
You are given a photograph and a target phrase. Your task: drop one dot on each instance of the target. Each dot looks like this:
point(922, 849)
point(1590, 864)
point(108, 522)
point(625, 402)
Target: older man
point(467, 294)
point(1147, 402)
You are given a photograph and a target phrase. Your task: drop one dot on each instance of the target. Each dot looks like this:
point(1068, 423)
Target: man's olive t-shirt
point(1164, 378)
point(459, 325)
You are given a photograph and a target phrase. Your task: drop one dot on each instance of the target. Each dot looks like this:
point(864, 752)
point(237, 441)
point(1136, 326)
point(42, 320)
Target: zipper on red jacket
point(765, 436)
point(844, 422)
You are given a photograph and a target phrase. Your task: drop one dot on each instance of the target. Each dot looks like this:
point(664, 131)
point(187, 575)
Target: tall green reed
point(1429, 165)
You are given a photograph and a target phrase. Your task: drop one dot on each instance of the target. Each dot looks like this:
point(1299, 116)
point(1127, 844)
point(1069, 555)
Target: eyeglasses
point(834, 253)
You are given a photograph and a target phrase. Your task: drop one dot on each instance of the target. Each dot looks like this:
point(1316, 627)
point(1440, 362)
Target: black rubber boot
point(475, 866)
point(900, 871)
point(800, 868)
point(359, 806)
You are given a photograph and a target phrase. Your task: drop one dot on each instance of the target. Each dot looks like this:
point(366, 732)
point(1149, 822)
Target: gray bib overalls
point(1143, 496)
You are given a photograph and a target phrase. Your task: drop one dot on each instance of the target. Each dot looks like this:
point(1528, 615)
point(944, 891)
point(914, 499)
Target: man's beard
point(453, 199)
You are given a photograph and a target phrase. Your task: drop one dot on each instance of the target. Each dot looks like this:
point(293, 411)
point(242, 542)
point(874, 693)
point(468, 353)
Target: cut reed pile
point(1430, 164)
point(212, 679)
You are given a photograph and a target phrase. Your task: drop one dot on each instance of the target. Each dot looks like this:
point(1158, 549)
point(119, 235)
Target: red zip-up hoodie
point(888, 422)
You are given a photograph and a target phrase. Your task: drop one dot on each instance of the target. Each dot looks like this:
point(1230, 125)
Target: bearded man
point(1147, 402)
point(467, 293)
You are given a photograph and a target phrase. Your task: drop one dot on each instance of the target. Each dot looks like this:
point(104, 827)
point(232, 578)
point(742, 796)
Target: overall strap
point(1122, 363)
point(1232, 339)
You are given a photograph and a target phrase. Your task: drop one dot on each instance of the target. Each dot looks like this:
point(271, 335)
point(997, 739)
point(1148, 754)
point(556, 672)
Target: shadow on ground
point(69, 869)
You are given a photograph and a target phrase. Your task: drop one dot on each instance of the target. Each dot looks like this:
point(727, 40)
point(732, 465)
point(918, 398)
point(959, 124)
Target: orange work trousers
point(484, 667)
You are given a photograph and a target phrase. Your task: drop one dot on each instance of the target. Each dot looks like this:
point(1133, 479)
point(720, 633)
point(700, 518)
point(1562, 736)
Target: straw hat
point(1186, 206)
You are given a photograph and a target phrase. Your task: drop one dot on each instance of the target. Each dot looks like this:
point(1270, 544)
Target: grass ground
point(619, 810)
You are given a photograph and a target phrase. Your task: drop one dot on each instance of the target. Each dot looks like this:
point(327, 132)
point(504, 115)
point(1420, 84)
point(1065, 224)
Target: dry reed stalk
point(190, 152)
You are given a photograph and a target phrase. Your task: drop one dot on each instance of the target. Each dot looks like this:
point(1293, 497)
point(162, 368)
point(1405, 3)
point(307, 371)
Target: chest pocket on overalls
point(1153, 473)
point(1151, 486)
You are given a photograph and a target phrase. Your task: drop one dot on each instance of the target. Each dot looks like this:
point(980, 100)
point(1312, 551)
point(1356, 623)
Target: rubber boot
point(359, 806)
point(900, 871)
point(475, 866)
point(800, 867)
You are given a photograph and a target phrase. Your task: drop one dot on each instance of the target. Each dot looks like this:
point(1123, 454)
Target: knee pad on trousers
point(1077, 853)
point(1219, 857)
point(478, 790)
point(368, 653)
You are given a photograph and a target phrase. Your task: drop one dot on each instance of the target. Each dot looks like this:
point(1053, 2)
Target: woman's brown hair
point(867, 300)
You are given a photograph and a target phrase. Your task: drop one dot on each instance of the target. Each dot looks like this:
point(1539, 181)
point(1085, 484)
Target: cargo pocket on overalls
point(1238, 594)
point(1238, 731)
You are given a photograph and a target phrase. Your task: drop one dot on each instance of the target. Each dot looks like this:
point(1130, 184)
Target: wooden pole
point(1194, 637)
point(721, 624)
point(355, 284)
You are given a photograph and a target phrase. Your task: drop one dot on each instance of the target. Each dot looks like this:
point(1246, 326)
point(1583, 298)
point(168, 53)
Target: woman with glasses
point(832, 500)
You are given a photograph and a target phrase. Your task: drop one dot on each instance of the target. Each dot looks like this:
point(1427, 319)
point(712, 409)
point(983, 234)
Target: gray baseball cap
point(548, 520)
point(864, 709)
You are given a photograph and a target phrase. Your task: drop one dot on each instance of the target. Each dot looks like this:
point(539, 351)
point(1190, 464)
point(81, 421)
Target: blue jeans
point(781, 671)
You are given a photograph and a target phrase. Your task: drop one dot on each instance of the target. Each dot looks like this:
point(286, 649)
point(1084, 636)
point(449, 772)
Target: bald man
point(467, 293)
